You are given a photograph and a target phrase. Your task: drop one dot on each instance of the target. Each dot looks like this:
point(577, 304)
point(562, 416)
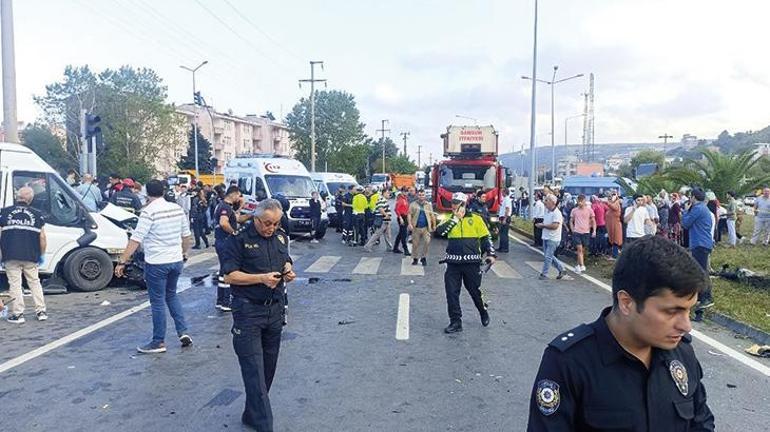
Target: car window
point(246, 184)
point(52, 197)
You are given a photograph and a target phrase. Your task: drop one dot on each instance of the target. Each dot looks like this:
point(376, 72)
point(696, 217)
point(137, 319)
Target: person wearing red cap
point(126, 198)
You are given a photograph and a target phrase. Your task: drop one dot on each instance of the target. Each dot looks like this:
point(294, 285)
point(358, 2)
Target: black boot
point(454, 327)
point(484, 317)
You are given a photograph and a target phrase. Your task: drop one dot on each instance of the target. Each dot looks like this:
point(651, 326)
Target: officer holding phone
point(257, 265)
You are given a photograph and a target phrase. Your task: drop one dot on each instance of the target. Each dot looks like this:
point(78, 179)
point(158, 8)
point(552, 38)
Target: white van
point(327, 185)
point(265, 176)
point(82, 246)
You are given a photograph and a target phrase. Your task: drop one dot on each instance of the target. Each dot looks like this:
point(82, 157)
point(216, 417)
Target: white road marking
point(552, 272)
point(200, 258)
point(367, 266)
point(402, 323)
point(736, 355)
point(503, 270)
point(17, 361)
point(323, 264)
point(407, 269)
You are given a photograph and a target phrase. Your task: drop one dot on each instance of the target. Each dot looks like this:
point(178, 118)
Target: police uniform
point(588, 382)
point(126, 199)
point(468, 240)
point(257, 316)
point(347, 217)
point(220, 240)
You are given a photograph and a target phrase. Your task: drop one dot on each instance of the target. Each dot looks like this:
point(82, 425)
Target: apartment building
point(231, 135)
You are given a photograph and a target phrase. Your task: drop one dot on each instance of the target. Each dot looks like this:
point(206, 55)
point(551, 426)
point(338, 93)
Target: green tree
point(720, 173)
point(48, 146)
point(206, 163)
point(137, 122)
point(338, 130)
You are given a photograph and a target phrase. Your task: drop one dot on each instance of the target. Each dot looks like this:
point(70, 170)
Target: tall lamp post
point(552, 83)
point(195, 120)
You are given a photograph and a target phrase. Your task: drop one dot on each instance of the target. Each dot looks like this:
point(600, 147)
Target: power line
point(262, 32)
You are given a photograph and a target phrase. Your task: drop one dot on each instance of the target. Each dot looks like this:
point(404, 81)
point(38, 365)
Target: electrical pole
point(419, 149)
point(665, 138)
point(430, 157)
point(10, 124)
point(531, 180)
point(382, 142)
point(312, 82)
point(404, 135)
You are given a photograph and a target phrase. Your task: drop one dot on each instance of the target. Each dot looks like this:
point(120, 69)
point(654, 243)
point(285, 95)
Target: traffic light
point(198, 98)
point(92, 126)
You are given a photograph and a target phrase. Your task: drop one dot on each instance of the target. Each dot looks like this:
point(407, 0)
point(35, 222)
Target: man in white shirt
point(636, 217)
point(164, 232)
point(504, 216)
point(652, 227)
point(538, 212)
point(551, 227)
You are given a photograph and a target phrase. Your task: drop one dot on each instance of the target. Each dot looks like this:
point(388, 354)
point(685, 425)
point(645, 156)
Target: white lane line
point(367, 266)
point(407, 269)
point(552, 272)
point(503, 270)
point(736, 355)
point(17, 361)
point(200, 258)
point(323, 264)
point(402, 323)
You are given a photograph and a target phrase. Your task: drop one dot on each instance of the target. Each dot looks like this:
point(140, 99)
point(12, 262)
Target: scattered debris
point(411, 281)
point(106, 406)
point(105, 303)
point(458, 381)
point(759, 350)
point(210, 317)
point(70, 367)
point(346, 322)
point(731, 385)
point(714, 353)
point(478, 374)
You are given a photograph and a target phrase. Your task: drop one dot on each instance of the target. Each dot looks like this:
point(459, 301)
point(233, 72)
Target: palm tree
point(720, 173)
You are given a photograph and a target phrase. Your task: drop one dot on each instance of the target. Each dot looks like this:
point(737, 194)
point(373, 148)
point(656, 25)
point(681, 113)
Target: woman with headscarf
point(613, 223)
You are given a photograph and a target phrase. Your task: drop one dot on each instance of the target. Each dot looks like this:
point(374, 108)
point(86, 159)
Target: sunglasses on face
point(268, 224)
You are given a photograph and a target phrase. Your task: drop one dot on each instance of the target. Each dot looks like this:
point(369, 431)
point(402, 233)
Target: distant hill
point(741, 140)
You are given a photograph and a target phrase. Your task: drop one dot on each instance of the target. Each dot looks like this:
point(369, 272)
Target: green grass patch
point(523, 225)
point(742, 303)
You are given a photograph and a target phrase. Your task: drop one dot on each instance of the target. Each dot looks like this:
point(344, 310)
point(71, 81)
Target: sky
point(660, 66)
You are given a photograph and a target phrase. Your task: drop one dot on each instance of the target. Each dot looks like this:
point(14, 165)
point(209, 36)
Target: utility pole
point(382, 142)
point(10, 125)
point(419, 161)
point(430, 156)
point(196, 99)
point(405, 135)
point(531, 180)
point(665, 138)
point(312, 82)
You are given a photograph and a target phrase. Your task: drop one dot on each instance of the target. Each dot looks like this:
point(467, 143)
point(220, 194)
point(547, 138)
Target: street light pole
point(10, 125)
point(530, 179)
point(195, 117)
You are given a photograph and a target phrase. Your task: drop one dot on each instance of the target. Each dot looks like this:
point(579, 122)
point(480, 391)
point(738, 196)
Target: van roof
point(329, 176)
point(267, 165)
point(14, 147)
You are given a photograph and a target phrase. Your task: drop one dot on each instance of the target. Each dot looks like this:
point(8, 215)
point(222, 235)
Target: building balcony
point(219, 130)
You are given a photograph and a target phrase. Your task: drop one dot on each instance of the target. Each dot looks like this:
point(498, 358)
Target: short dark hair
point(731, 193)
point(637, 196)
point(232, 190)
point(653, 264)
point(698, 194)
point(155, 188)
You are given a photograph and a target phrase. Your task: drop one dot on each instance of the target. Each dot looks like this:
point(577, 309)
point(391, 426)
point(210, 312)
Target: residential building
point(761, 150)
point(231, 135)
point(567, 166)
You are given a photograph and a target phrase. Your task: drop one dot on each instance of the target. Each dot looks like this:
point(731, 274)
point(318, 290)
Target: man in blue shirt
point(699, 221)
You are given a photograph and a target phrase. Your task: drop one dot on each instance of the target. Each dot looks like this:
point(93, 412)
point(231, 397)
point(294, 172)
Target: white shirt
point(160, 230)
point(548, 218)
point(635, 227)
point(538, 210)
point(506, 204)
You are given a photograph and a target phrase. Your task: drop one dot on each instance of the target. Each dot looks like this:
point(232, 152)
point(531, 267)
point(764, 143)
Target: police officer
point(469, 241)
point(338, 207)
point(226, 222)
point(634, 367)
point(257, 265)
point(347, 216)
point(126, 198)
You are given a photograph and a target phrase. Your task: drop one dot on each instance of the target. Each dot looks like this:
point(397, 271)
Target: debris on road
point(345, 322)
point(714, 353)
point(731, 385)
point(759, 351)
point(105, 303)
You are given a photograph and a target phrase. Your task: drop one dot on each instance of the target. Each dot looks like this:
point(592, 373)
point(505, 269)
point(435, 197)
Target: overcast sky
point(694, 66)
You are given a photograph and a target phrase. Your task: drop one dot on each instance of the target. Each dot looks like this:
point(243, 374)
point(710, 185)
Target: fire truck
point(471, 165)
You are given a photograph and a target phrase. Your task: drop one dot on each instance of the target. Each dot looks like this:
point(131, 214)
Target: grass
point(734, 299)
point(523, 225)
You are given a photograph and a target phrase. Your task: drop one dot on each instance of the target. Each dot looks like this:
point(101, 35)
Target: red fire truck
point(471, 165)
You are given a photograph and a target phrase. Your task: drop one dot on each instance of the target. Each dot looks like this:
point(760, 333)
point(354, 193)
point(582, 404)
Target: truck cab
point(264, 176)
point(83, 246)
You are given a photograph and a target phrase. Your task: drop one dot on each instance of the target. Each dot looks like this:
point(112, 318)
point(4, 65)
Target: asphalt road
point(343, 364)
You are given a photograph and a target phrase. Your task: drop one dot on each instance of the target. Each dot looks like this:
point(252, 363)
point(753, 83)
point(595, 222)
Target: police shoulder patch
point(567, 340)
point(243, 227)
point(679, 375)
point(547, 396)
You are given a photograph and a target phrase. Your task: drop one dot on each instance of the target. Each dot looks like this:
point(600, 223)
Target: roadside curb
point(740, 328)
point(716, 317)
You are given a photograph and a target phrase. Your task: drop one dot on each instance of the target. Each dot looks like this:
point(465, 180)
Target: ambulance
point(328, 184)
point(262, 176)
point(83, 246)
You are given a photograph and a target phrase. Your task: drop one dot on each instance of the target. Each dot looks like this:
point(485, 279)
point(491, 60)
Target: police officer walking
point(469, 241)
point(347, 216)
point(634, 367)
point(226, 224)
point(257, 265)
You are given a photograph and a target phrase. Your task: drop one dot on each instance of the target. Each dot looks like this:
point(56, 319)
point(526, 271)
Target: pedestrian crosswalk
point(392, 266)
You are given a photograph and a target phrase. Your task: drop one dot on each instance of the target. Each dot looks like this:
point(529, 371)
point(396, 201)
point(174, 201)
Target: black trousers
point(401, 237)
point(504, 239)
point(257, 340)
point(538, 231)
point(361, 231)
point(199, 229)
point(347, 226)
point(455, 276)
point(223, 289)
